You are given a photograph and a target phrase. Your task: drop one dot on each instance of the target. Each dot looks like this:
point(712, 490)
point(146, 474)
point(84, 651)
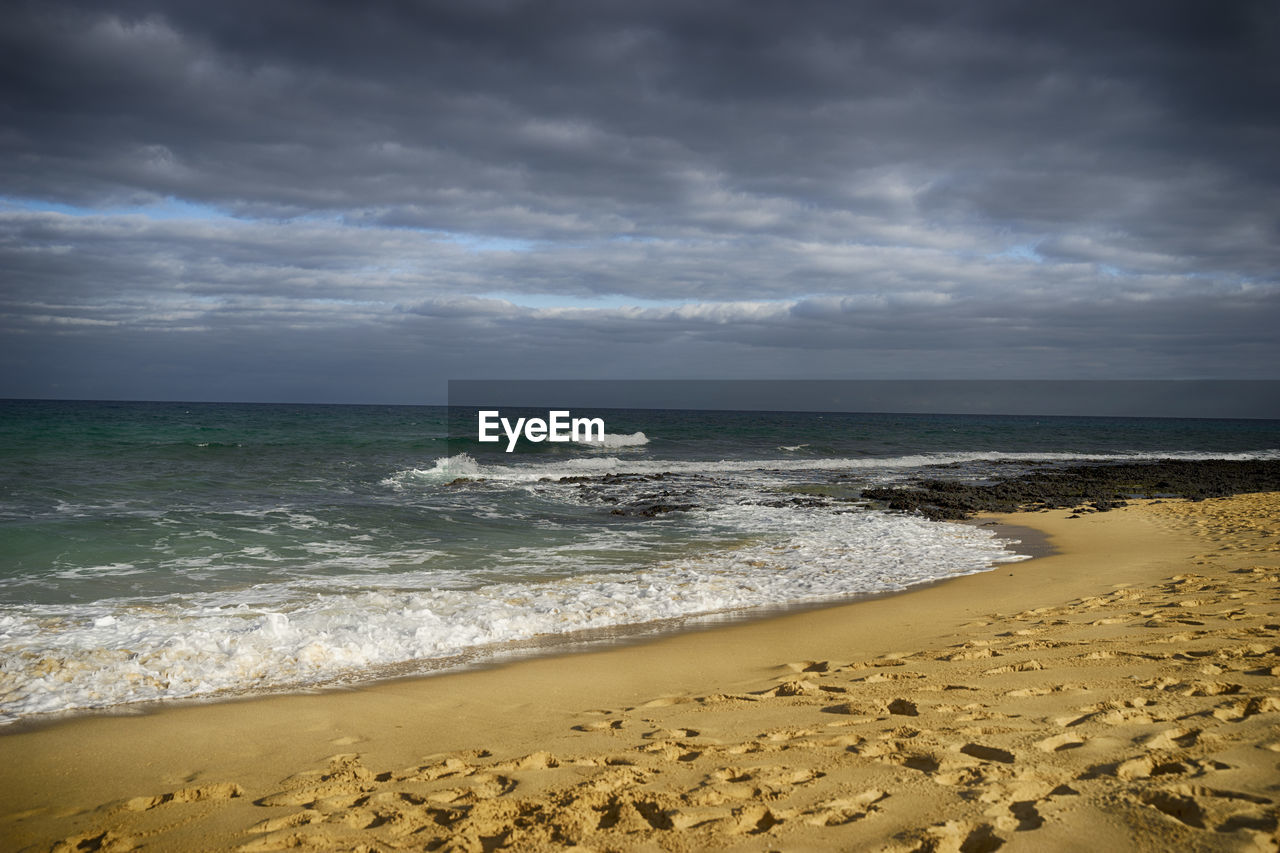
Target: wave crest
point(611, 441)
point(445, 469)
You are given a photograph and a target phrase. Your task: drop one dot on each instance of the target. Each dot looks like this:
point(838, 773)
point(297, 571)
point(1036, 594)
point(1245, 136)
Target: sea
point(161, 552)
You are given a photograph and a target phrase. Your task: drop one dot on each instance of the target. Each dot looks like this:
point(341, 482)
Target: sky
point(356, 202)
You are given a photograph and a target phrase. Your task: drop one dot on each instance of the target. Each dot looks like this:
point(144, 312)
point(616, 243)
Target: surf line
point(559, 425)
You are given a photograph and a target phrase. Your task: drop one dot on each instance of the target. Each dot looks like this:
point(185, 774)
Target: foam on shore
point(314, 631)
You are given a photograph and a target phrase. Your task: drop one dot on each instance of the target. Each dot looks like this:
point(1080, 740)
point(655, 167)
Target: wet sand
point(1122, 692)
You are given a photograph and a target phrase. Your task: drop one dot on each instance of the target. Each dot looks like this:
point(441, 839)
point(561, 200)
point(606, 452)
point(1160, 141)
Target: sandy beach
point(1121, 693)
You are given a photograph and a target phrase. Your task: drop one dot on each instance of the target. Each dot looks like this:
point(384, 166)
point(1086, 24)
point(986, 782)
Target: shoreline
point(121, 655)
point(658, 719)
point(1023, 540)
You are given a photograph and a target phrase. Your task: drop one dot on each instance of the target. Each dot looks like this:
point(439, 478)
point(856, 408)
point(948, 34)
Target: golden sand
point(1121, 694)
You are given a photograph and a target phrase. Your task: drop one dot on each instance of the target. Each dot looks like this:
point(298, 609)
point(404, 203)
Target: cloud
point(922, 188)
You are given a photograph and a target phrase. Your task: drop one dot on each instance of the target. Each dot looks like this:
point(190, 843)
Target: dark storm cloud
point(916, 188)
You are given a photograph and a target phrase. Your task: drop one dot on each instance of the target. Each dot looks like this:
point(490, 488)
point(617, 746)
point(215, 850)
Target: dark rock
point(1082, 488)
point(652, 510)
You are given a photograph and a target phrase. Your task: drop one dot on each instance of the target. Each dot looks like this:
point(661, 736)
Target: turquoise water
point(153, 551)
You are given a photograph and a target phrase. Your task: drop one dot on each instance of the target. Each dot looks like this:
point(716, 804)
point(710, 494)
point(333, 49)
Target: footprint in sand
point(725, 698)
point(220, 791)
point(344, 776)
point(1211, 688)
point(671, 734)
point(751, 747)
point(481, 786)
point(723, 785)
point(1144, 767)
point(541, 760)
point(970, 654)
point(1175, 738)
point(1060, 743)
point(977, 713)
point(880, 677)
point(788, 734)
point(753, 820)
point(1024, 666)
point(1181, 808)
point(106, 841)
point(1033, 692)
point(451, 766)
point(900, 753)
point(290, 821)
point(962, 777)
point(1236, 712)
point(842, 810)
point(730, 784)
point(792, 688)
point(601, 726)
point(987, 753)
point(954, 837)
point(899, 707)
point(878, 663)
point(1223, 810)
point(669, 751)
point(1072, 720)
point(811, 666)
point(1017, 816)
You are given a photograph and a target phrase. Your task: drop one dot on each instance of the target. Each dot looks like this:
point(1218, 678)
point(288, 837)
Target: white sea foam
point(463, 465)
point(314, 631)
point(611, 441)
point(445, 469)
